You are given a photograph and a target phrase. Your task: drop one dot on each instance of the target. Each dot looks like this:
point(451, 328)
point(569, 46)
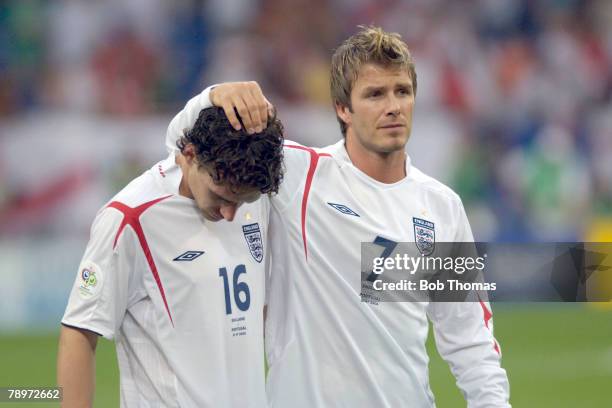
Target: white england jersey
point(181, 296)
point(327, 348)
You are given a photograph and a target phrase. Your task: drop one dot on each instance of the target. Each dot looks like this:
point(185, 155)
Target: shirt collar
point(338, 151)
point(170, 174)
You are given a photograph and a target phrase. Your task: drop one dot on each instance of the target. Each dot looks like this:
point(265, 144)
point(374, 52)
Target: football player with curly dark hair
point(240, 166)
point(181, 295)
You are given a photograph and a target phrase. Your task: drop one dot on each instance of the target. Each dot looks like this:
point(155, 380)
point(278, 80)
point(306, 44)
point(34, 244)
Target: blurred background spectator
point(514, 106)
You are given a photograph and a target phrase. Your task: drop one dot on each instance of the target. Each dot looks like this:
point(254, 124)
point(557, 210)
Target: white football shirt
point(326, 347)
point(181, 296)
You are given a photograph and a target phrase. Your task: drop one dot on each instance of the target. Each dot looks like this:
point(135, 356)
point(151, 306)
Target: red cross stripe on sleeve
point(487, 316)
point(131, 217)
point(314, 160)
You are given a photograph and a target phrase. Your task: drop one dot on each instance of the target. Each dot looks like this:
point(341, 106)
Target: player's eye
point(403, 91)
point(374, 94)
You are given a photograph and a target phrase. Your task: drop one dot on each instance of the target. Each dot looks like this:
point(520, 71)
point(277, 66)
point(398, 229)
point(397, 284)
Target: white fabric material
point(327, 348)
point(200, 356)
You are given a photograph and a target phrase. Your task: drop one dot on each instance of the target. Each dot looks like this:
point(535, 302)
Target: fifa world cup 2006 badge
point(90, 280)
point(424, 236)
point(252, 234)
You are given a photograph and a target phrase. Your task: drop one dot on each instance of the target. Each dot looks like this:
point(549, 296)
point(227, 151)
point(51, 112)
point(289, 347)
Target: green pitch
point(556, 356)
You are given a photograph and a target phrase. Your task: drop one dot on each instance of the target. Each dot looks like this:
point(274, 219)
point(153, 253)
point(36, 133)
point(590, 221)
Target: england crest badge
point(252, 234)
point(424, 236)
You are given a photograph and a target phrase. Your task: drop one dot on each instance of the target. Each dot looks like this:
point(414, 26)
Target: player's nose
point(393, 105)
point(228, 212)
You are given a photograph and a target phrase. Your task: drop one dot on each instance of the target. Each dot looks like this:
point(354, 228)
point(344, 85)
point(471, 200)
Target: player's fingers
point(260, 104)
point(243, 111)
point(256, 120)
point(228, 108)
point(243, 99)
point(271, 109)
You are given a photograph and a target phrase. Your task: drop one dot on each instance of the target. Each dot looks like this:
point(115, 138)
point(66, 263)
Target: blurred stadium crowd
point(514, 102)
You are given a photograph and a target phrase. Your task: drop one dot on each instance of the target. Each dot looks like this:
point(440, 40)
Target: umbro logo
point(343, 209)
point(188, 256)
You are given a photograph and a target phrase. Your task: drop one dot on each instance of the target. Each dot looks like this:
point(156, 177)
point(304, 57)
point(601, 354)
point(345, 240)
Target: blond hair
point(369, 45)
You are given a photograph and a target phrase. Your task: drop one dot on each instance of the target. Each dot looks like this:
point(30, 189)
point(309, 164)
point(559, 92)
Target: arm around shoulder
point(244, 98)
point(186, 118)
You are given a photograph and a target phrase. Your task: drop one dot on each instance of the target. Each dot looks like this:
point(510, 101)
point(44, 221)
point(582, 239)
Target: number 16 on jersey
point(239, 287)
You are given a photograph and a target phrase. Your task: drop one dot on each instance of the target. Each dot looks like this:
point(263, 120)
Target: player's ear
point(343, 112)
point(189, 153)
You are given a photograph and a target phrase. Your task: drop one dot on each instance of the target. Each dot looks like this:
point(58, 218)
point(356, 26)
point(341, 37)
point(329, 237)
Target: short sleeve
point(100, 293)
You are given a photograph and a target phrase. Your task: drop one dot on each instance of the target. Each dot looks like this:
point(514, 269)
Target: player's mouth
point(392, 126)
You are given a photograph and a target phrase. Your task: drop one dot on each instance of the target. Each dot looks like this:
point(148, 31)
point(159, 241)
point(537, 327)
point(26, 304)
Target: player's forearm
point(476, 367)
point(186, 118)
point(464, 338)
point(76, 367)
point(484, 386)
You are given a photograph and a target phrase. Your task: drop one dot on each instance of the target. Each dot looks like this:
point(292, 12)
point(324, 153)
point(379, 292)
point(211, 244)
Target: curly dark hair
point(235, 158)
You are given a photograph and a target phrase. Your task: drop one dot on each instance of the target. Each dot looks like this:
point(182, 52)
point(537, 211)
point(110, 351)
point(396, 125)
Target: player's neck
point(184, 189)
point(384, 167)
